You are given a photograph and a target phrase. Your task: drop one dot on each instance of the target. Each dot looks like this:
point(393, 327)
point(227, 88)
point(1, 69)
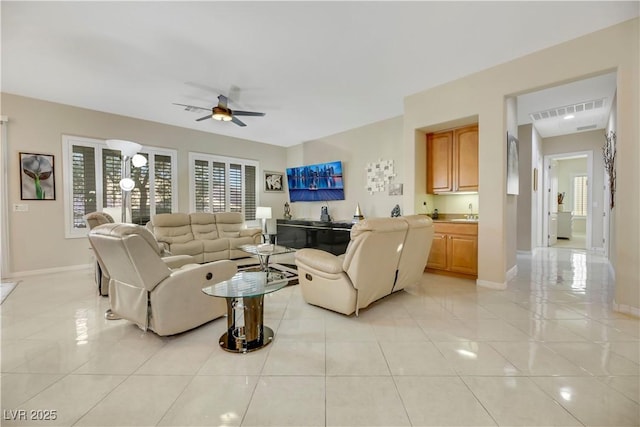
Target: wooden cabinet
point(452, 160)
point(454, 249)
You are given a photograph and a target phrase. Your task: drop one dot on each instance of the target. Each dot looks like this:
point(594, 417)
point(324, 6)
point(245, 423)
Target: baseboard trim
point(626, 309)
point(28, 273)
point(612, 271)
point(491, 285)
point(512, 272)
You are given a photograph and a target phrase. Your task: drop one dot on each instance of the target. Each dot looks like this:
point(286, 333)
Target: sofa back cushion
point(229, 224)
point(172, 227)
point(372, 257)
point(415, 251)
point(203, 226)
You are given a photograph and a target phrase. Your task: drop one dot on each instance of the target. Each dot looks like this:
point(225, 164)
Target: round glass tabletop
point(248, 284)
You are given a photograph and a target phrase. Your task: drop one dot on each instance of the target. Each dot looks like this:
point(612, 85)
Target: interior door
point(552, 203)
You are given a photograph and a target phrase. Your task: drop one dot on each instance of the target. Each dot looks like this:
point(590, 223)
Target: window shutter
point(249, 192)
point(140, 203)
point(580, 196)
point(84, 183)
point(235, 188)
point(218, 188)
point(162, 182)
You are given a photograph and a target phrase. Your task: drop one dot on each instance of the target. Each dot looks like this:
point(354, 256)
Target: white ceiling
point(314, 68)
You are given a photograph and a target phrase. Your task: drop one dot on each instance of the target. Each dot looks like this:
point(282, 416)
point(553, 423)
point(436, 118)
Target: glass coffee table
point(245, 293)
point(265, 252)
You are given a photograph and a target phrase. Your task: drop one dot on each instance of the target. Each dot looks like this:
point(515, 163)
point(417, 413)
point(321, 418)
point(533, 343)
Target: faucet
point(470, 216)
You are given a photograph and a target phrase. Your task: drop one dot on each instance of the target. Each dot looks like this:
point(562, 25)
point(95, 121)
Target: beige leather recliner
point(384, 255)
point(144, 290)
point(95, 219)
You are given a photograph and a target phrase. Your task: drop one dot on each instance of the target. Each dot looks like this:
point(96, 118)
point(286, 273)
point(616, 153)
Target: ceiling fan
point(222, 112)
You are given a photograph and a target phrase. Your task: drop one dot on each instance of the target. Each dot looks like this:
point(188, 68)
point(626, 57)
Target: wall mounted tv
point(316, 183)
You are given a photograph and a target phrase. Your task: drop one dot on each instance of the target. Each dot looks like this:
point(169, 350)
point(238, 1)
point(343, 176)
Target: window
point(92, 182)
point(580, 195)
point(223, 184)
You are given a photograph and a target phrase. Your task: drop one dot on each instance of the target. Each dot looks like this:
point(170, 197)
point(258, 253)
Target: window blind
point(580, 196)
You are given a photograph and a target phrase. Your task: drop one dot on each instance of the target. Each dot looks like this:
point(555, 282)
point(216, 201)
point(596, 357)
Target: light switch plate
point(20, 207)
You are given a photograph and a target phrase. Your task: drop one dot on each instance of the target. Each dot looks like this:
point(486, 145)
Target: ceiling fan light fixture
point(221, 114)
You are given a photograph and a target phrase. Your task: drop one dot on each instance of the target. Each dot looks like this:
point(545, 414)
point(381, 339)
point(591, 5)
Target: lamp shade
point(263, 212)
point(127, 184)
point(139, 160)
point(127, 148)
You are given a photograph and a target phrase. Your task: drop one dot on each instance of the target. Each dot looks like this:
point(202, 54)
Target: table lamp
point(263, 213)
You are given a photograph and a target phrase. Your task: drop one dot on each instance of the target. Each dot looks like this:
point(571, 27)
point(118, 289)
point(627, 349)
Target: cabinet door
point(463, 253)
point(438, 252)
point(466, 158)
point(439, 162)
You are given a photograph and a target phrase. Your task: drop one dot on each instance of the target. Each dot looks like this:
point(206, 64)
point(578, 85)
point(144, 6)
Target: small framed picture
point(395, 189)
point(37, 179)
point(273, 181)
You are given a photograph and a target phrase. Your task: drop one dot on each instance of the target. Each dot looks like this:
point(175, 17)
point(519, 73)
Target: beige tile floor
point(547, 351)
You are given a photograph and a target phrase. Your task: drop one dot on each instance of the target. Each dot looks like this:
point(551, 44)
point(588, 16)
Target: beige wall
point(525, 199)
point(37, 239)
point(483, 94)
point(355, 148)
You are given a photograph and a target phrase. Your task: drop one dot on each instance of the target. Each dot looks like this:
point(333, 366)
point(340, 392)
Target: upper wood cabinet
point(452, 160)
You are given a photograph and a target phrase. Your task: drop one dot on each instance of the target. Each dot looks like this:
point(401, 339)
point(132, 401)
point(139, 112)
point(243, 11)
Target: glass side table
point(245, 293)
point(264, 253)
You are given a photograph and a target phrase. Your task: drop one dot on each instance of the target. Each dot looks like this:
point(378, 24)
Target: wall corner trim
point(626, 309)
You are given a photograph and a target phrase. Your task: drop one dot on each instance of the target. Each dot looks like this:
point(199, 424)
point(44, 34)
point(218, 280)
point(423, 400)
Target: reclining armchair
point(384, 255)
point(144, 290)
point(95, 219)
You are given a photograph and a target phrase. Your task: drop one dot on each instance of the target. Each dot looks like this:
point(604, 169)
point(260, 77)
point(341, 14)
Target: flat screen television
point(316, 183)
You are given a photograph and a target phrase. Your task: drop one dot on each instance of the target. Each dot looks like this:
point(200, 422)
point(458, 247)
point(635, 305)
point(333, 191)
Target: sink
point(464, 220)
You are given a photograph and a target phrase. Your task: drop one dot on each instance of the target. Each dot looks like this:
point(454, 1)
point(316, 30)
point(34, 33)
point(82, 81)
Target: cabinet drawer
point(470, 229)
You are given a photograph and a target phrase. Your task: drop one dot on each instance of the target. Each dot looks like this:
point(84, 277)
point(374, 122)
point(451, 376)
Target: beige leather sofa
point(144, 290)
point(384, 255)
point(205, 236)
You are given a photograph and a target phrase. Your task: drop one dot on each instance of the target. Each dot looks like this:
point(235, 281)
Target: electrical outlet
point(20, 207)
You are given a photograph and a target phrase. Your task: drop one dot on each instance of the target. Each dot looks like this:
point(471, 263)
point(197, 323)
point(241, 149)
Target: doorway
point(567, 214)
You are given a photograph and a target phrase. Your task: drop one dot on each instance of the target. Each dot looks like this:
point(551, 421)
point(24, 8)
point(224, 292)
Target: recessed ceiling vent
point(580, 107)
point(586, 127)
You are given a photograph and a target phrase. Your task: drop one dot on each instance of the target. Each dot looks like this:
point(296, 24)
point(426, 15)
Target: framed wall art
point(273, 182)
point(513, 176)
point(37, 178)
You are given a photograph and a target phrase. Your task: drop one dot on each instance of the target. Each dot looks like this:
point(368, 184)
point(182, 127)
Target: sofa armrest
point(220, 271)
point(320, 260)
point(250, 232)
point(177, 261)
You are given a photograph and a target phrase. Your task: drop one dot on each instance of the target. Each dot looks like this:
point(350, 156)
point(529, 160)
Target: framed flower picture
point(273, 181)
point(37, 178)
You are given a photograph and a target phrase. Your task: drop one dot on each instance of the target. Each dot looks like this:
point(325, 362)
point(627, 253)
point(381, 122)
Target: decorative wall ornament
point(379, 174)
point(273, 182)
point(609, 156)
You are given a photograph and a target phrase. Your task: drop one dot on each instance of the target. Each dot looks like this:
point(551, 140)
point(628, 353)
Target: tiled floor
point(547, 351)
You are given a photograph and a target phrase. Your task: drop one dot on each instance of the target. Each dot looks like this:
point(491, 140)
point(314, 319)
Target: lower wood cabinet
point(454, 249)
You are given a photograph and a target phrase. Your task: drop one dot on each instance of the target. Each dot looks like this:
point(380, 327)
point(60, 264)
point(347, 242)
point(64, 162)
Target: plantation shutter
point(218, 191)
point(162, 183)
point(84, 183)
point(111, 174)
point(235, 188)
point(580, 196)
point(201, 185)
point(249, 192)
point(140, 203)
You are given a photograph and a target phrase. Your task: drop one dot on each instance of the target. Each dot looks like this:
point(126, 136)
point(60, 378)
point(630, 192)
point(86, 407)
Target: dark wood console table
point(301, 233)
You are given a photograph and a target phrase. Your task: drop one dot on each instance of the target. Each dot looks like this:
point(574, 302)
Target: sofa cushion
point(229, 224)
point(172, 228)
point(203, 226)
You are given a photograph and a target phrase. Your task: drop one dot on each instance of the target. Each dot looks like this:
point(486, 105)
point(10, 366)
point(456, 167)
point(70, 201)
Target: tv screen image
point(316, 183)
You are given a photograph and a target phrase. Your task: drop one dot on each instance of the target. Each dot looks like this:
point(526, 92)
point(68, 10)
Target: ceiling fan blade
point(192, 107)
point(208, 116)
point(222, 101)
point(237, 121)
point(247, 113)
